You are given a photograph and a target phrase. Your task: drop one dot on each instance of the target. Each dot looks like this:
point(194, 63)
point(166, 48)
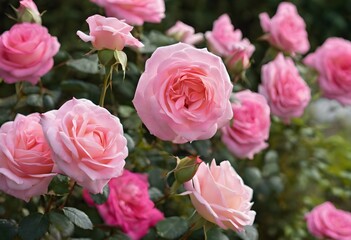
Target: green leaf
point(8, 229)
point(130, 142)
point(78, 217)
point(155, 194)
point(35, 100)
point(59, 184)
point(172, 228)
point(101, 198)
point(216, 234)
point(119, 236)
point(250, 233)
point(34, 226)
point(61, 223)
point(86, 65)
point(121, 58)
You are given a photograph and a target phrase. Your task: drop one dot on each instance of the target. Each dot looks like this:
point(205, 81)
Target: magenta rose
point(247, 134)
point(109, 33)
point(26, 53)
point(183, 95)
point(184, 33)
point(134, 12)
point(25, 158)
point(332, 61)
point(286, 92)
point(220, 196)
point(128, 205)
point(327, 222)
point(87, 143)
point(286, 30)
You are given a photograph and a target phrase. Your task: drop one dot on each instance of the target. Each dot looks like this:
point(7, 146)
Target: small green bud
point(186, 168)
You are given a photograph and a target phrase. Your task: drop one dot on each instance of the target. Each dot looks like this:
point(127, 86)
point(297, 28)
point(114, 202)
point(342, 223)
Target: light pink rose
point(286, 30)
point(249, 130)
point(332, 61)
point(239, 59)
point(134, 12)
point(220, 196)
point(183, 95)
point(286, 92)
point(109, 33)
point(128, 205)
point(185, 33)
point(87, 143)
point(28, 12)
point(25, 158)
point(26, 53)
point(327, 222)
point(223, 40)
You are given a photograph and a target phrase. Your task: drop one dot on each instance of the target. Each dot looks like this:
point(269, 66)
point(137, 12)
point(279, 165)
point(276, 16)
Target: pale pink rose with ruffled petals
point(109, 33)
point(26, 53)
point(286, 30)
point(185, 33)
point(128, 205)
point(286, 92)
point(327, 222)
point(25, 158)
point(134, 12)
point(87, 142)
point(332, 61)
point(220, 196)
point(183, 95)
point(249, 130)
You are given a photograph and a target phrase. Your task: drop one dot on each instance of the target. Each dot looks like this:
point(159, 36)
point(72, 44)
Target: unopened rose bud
point(186, 168)
point(28, 12)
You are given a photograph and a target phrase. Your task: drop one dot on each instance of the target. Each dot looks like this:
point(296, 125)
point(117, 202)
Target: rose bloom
point(332, 61)
point(286, 30)
point(25, 158)
point(109, 33)
point(128, 205)
point(134, 12)
point(87, 143)
point(247, 134)
point(239, 58)
point(28, 12)
point(183, 95)
point(326, 221)
point(26, 53)
point(286, 92)
point(184, 33)
point(220, 196)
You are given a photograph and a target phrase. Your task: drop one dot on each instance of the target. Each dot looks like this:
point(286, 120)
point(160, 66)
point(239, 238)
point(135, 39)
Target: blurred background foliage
point(308, 162)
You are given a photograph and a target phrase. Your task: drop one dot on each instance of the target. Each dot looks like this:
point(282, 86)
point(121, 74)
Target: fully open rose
point(25, 158)
point(87, 143)
point(183, 95)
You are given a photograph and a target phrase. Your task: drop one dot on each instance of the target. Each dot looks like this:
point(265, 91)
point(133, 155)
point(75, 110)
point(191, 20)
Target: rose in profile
point(87, 142)
point(286, 30)
point(26, 53)
point(247, 134)
point(286, 92)
point(28, 12)
point(134, 12)
point(332, 61)
point(239, 58)
point(109, 33)
point(25, 158)
point(220, 196)
point(185, 33)
point(183, 95)
point(128, 205)
point(327, 222)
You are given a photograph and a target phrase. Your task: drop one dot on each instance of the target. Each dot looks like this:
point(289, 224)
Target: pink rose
point(87, 143)
point(224, 40)
point(128, 206)
point(332, 61)
point(239, 58)
point(220, 196)
point(247, 134)
point(109, 33)
point(183, 95)
point(25, 158)
point(287, 93)
point(28, 12)
point(326, 221)
point(26, 53)
point(134, 12)
point(286, 30)
point(185, 33)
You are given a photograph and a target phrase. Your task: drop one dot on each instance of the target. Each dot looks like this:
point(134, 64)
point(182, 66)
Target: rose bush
point(87, 143)
point(183, 95)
